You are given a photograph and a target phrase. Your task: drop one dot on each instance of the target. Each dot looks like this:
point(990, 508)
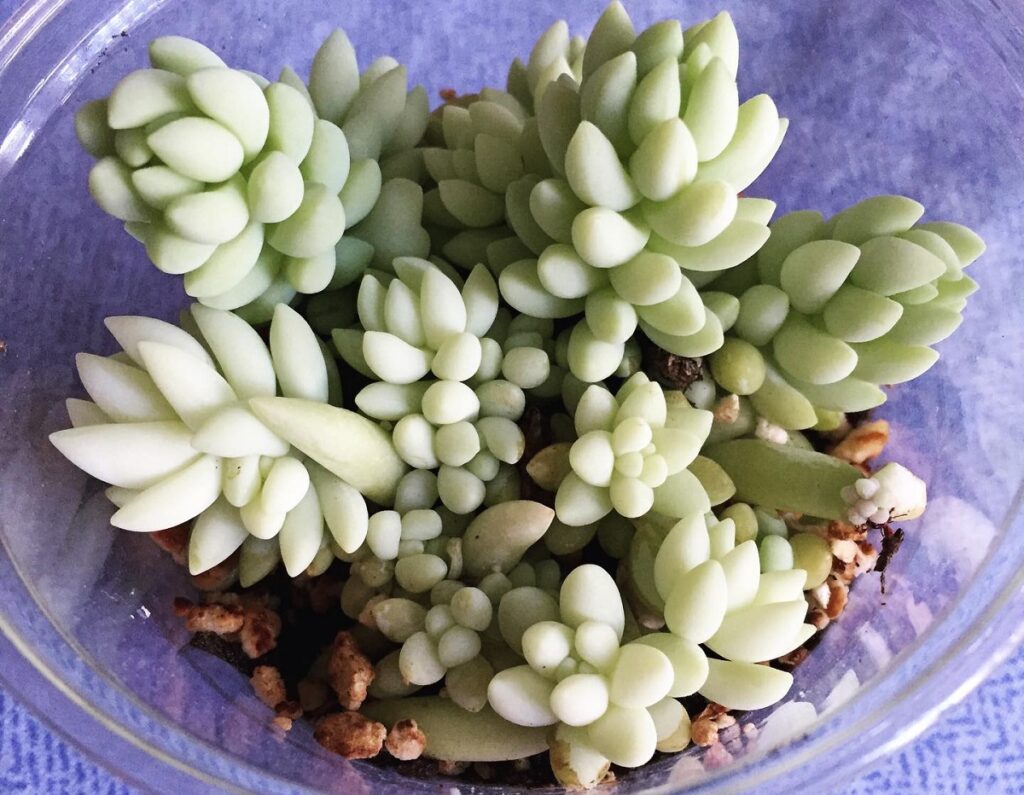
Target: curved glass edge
point(895, 709)
point(25, 80)
point(931, 677)
point(79, 723)
point(39, 665)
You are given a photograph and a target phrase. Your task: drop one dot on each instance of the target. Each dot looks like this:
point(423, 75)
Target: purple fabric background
point(977, 747)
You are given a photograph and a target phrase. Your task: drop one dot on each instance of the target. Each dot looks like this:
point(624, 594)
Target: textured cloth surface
point(977, 747)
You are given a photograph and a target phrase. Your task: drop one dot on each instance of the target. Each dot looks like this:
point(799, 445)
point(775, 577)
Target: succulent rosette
point(220, 430)
point(247, 188)
point(453, 393)
point(831, 311)
point(437, 590)
point(733, 584)
point(611, 698)
point(632, 454)
point(648, 155)
point(620, 185)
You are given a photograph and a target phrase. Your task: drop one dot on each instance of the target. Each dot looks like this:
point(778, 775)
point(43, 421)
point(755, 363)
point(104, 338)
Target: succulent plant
point(892, 493)
point(425, 602)
point(619, 179)
point(590, 208)
point(410, 549)
point(485, 154)
point(453, 392)
point(832, 310)
point(580, 674)
point(239, 186)
point(237, 437)
point(740, 596)
point(554, 54)
point(632, 454)
point(447, 642)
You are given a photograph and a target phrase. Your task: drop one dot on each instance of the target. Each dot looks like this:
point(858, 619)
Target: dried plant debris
point(671, 370)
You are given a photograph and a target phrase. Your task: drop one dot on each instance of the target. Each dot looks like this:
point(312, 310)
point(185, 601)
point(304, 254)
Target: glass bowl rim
point(950, 668)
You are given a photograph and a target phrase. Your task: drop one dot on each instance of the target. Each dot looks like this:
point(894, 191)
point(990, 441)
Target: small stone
point(350, 735)
point(863, 443)
point(770, 432)
point(704, 732)
point(405, 741)
point(215, 618)
point(174, 541)
point(268, 685)
point(282, 723)
point(349, 671)
point(259, 631)
point(289, 709)
point(838, 595)
point(727, 410)
point(845, 550)
point(818, 618)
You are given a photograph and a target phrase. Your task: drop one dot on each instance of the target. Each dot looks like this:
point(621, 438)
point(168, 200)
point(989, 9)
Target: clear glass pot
point(922, 98)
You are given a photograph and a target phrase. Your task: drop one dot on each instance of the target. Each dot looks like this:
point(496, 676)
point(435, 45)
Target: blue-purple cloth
point(977, 747)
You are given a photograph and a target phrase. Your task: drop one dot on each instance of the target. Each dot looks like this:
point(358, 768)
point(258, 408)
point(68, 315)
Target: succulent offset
point(494, 277)
point(246, 187)
point(632, 454)
point(615, 700)
point(453, 393)
point(829, 312)
point(621, 186)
